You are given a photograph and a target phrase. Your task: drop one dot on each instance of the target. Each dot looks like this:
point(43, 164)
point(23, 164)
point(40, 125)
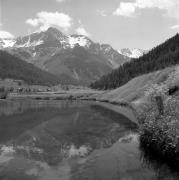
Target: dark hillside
point(160, 57)
point(15, 68)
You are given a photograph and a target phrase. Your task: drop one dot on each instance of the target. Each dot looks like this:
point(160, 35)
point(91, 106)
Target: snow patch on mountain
point(30, 44)
point(5, 43)
point(136, 53)
point(132, 53)
point(80, 40)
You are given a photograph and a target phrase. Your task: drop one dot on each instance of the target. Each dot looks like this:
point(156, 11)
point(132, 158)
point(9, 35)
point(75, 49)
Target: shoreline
point(122, 108)
point(126, 111)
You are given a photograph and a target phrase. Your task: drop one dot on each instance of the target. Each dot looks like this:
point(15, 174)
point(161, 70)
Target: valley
point(47, 68)
point(89, 90)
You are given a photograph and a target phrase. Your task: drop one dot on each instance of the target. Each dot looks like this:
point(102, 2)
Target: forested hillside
point(15, 68)
point(160, 57)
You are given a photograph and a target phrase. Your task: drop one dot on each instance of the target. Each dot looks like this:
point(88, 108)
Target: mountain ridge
point(50, 49)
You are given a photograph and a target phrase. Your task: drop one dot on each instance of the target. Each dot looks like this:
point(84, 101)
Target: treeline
point(160, 57)
point(14, 68)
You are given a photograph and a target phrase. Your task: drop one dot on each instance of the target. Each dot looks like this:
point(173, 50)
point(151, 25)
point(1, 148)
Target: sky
point(120, 23)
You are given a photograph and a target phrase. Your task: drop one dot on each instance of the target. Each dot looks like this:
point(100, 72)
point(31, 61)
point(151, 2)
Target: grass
point(134, 89)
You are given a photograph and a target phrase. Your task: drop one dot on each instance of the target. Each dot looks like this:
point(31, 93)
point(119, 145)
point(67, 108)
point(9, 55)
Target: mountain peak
point(53, 30)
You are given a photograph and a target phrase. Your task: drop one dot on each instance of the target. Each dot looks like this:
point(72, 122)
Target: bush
point(3, 93)
point(159, 129)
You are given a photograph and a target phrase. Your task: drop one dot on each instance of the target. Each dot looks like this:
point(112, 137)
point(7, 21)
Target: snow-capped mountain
point(74, 58)
point(115, 58)
point(52, 38)
point(132, 53)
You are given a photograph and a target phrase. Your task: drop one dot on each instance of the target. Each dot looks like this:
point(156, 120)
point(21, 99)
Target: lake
point(72, 140)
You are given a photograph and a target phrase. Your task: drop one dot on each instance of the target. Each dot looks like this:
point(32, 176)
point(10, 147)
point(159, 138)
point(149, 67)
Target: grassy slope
point(134, 90)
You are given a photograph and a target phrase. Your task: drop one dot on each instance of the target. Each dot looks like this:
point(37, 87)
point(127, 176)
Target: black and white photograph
point(89, 89)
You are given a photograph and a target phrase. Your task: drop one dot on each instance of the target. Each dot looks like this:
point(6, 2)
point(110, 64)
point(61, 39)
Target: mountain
point(114, 57)
point(74, 59)
point(132, 53)
point(160, 57)
point(12, 67)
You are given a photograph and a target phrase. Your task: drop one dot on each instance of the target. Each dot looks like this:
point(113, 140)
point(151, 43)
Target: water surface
point(66, 140)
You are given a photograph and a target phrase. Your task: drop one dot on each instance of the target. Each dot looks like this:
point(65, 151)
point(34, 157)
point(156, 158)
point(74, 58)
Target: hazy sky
point(121, 23)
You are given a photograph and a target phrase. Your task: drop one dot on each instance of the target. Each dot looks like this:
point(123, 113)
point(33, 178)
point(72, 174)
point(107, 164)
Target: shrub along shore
point(3, 93)
point(159, 129)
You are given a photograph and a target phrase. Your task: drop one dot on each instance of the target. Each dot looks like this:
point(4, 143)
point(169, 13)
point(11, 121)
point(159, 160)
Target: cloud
point(101, 12)
point(6, 35)
point(60, 1)
point(45, 19)
point(125, 9)
point(175, 27)
point(171, 7)
point(82, 31)
point(32, 22)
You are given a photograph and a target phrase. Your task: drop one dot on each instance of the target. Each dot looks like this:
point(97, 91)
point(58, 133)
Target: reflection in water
point(163, 172)
point(81, 151)
point(6, 153)
point(63, 140)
